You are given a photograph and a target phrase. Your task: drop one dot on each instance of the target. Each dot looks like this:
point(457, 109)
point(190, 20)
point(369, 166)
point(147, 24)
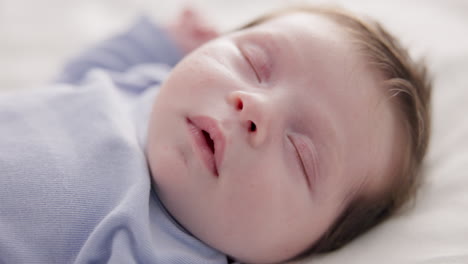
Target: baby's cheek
point(165, 170)
point(258, 187)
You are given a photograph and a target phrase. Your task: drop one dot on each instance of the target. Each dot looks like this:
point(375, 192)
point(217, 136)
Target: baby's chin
point(247, 250)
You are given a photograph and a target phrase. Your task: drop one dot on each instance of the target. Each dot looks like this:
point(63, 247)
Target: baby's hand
point(190, 30)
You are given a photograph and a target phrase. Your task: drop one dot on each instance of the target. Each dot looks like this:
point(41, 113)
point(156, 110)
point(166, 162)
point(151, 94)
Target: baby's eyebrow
point(270, 40)
point(274, 44)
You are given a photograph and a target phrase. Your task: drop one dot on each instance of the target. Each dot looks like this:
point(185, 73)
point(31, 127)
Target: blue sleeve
point(143, 43)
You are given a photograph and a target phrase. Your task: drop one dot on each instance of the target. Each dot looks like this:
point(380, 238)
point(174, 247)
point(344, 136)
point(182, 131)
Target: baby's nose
point(253, 113)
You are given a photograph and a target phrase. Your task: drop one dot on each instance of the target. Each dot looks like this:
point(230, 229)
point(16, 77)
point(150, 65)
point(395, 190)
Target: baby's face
point(299, 125)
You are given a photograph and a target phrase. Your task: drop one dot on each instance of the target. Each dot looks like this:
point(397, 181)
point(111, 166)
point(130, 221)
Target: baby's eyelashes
point(252, 66)
point(258, 60)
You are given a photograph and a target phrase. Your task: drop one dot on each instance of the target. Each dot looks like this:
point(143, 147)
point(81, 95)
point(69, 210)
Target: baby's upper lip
point(211, 126)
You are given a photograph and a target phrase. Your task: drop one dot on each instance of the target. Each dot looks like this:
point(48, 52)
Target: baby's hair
point(409, 87)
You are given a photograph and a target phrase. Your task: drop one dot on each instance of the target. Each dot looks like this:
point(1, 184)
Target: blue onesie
point(74, 182)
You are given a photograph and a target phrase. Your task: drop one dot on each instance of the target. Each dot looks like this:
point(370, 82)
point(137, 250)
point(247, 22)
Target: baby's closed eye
point(258, 60)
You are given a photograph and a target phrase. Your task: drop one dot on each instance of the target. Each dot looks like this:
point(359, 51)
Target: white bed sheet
point(36, 37)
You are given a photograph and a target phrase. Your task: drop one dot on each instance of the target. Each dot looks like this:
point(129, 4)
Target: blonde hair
point(409, 86)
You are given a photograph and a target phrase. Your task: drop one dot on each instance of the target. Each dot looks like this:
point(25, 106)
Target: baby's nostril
point(253, 127)
point(239, 105)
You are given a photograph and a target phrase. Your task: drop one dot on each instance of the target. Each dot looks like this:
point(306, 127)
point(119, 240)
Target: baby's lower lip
point(201, 148)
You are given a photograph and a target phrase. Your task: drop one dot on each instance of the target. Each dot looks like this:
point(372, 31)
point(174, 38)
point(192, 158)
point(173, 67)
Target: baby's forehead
point(316, 32)
point(285, 22)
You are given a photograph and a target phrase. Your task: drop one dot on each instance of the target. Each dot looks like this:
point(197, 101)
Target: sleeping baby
point(288, 137)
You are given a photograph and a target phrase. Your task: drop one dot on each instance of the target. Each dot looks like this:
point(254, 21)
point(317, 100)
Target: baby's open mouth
point(209, 141)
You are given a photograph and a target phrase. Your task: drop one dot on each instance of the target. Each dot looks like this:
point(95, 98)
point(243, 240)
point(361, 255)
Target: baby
point(288, 137)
